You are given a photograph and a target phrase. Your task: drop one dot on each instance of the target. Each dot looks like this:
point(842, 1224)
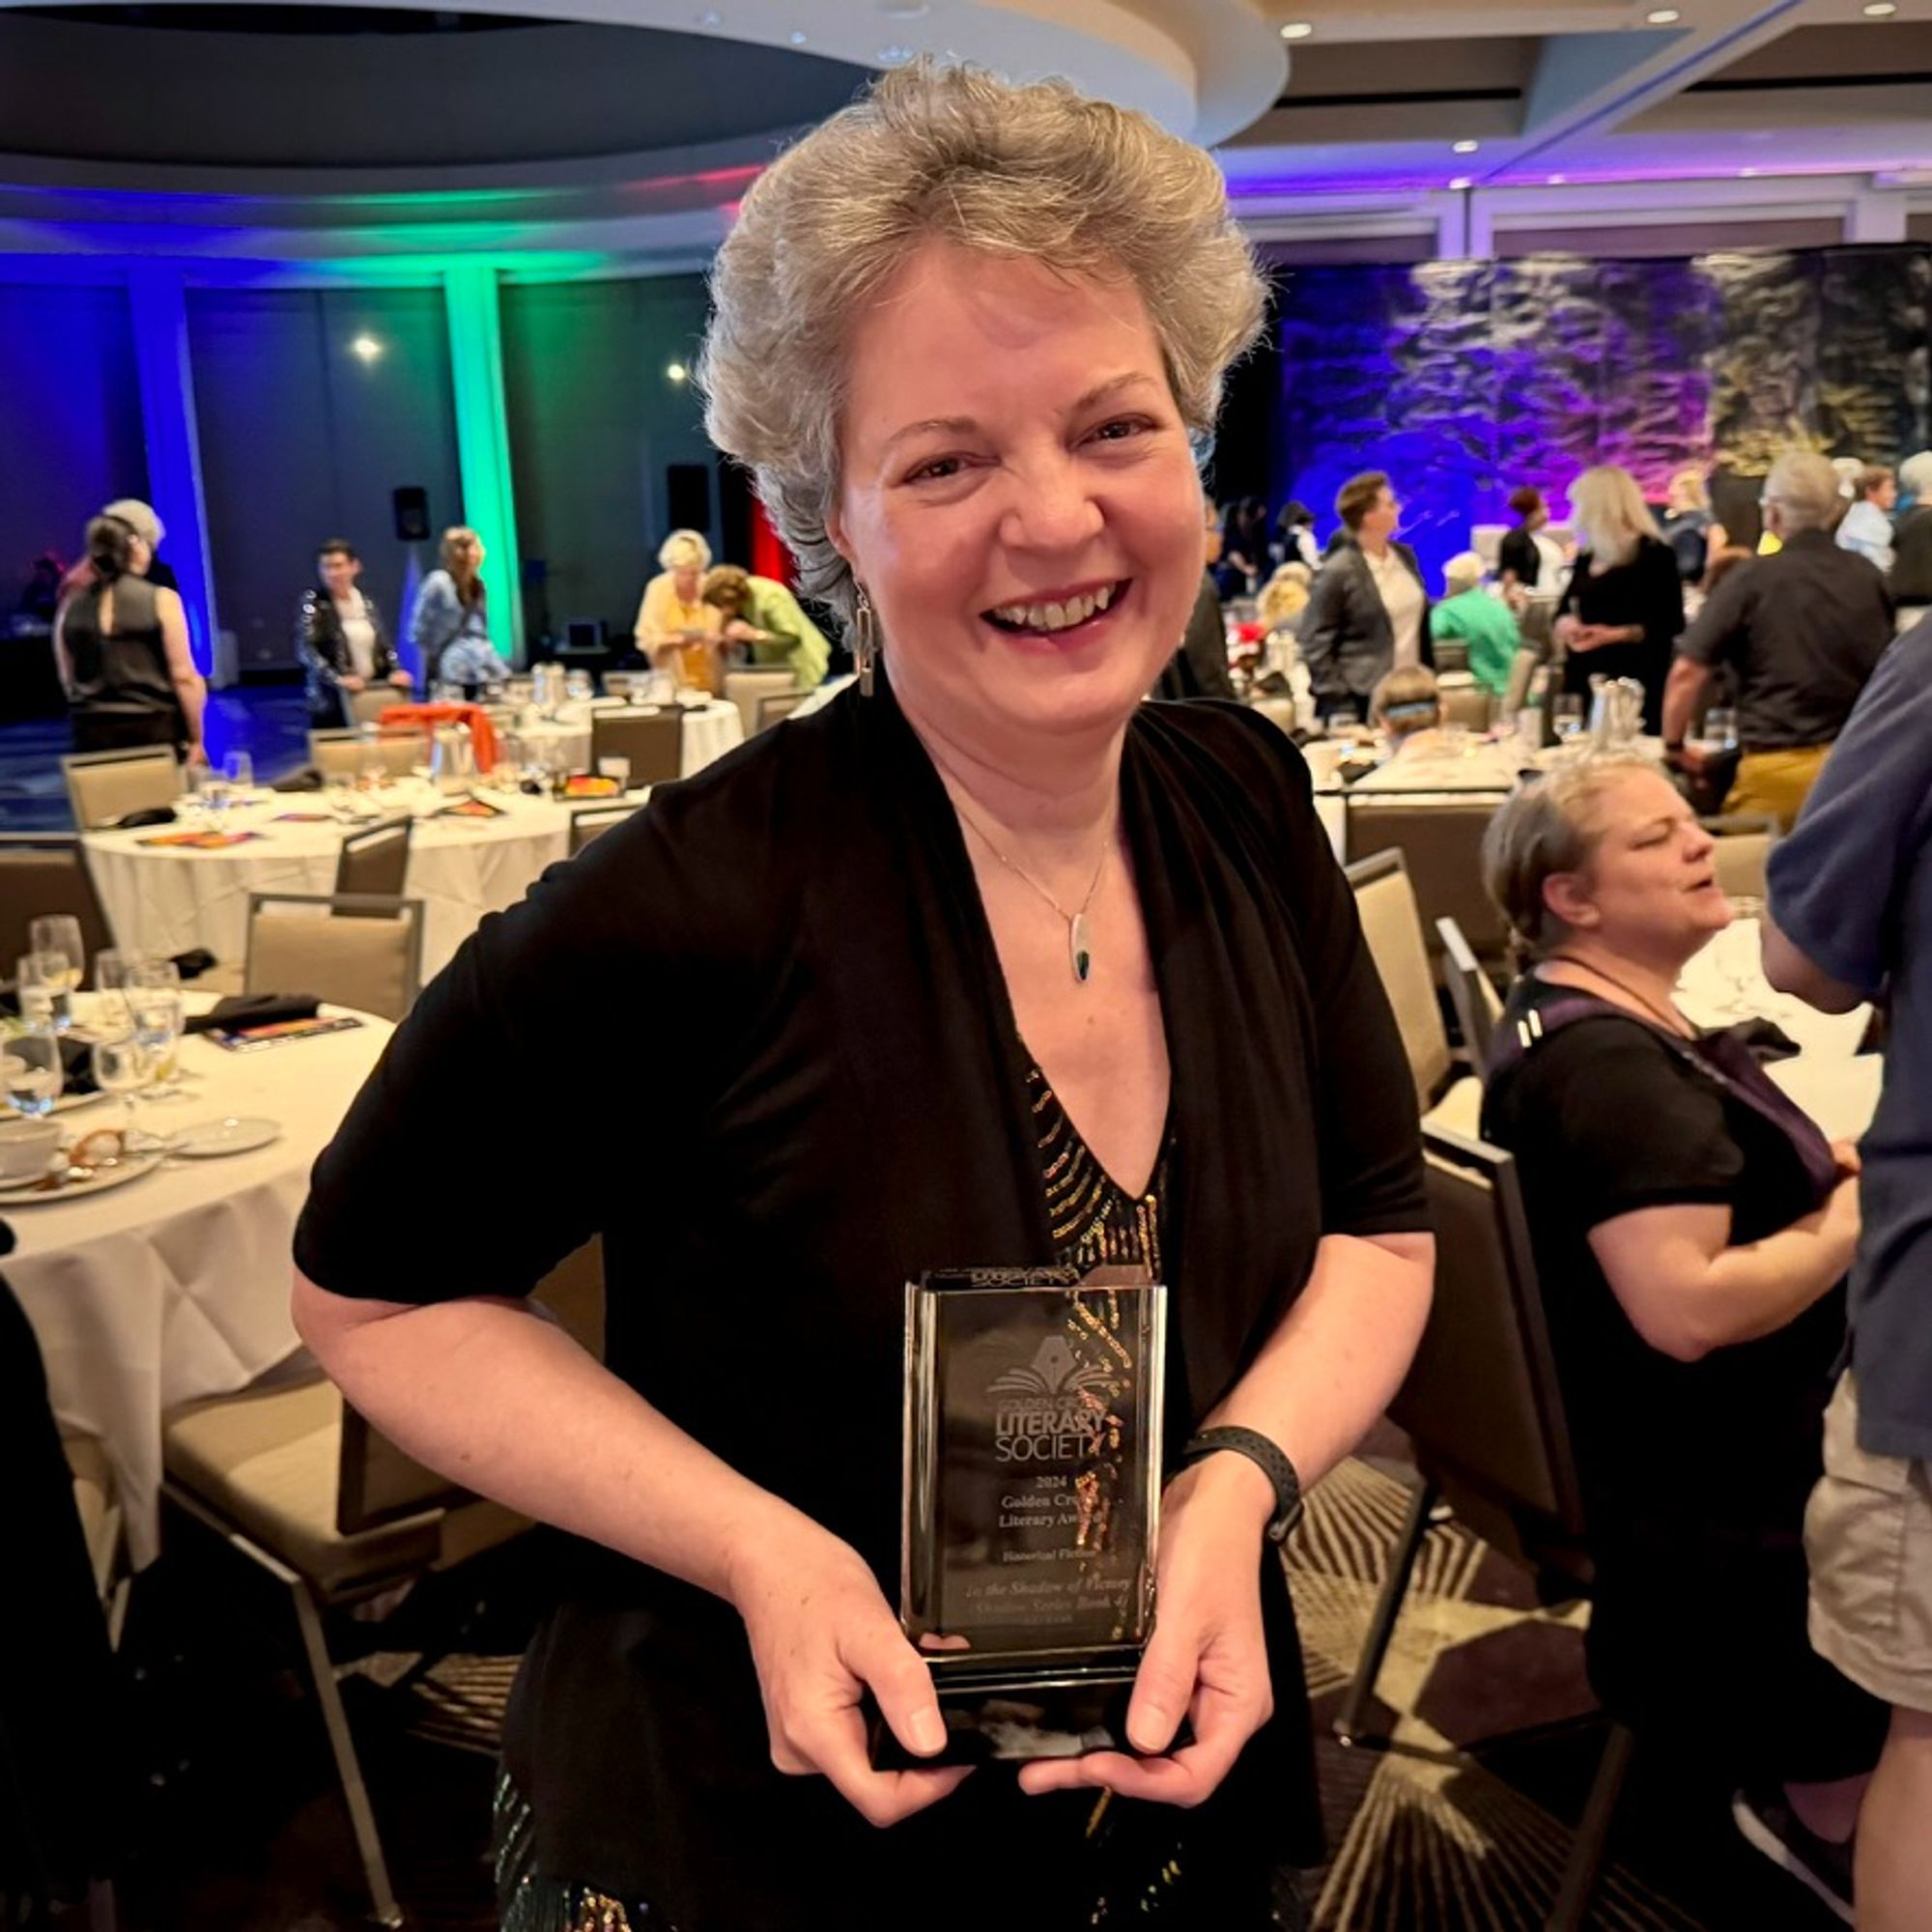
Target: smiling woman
point(1011, 968)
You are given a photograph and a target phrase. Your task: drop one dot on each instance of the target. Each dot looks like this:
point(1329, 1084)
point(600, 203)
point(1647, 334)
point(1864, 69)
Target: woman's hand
point(402, 680)
point(1206, 1660)
point(348, 681)
point(821, 1638)
point(1567, 630)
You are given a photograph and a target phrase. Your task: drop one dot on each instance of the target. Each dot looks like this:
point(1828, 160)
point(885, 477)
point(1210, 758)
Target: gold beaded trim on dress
point(1092, 1219)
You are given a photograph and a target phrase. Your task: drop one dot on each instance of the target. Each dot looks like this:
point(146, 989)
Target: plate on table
point(234, 1133)
point(24, 1193)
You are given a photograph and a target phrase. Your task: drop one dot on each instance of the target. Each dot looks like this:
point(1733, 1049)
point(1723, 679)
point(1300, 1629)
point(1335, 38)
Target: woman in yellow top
point(760, 613)
point(677, 629)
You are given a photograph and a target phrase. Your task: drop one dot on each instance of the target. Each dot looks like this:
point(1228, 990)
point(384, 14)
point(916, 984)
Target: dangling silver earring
point(865, 640)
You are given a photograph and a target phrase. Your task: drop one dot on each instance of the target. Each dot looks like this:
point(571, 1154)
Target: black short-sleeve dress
point(1695, 1474)
point(769, 1055)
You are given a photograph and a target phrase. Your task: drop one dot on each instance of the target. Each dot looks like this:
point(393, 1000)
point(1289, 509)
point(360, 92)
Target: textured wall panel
point(1872, 307)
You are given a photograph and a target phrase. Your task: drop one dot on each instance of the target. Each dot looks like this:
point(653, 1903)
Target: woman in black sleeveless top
point(124, 651)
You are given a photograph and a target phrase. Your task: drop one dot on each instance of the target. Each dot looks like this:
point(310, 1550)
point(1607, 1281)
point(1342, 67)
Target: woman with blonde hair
point(1285, 596)
point(452, 612)
point(1689, 526)
point(1623, 607)
point(675, 626)
point(1693, 1229)
point(970, 339)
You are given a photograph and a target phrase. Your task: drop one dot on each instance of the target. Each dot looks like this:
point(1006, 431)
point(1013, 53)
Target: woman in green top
point(762, 615)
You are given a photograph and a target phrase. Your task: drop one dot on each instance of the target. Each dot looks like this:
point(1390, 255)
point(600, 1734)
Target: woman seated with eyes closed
point(1693, 1229)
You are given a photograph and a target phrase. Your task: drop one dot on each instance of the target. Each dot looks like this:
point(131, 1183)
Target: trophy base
point(1010, 1717)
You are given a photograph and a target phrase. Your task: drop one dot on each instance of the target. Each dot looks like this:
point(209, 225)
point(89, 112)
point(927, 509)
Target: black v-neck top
point(761, 1042)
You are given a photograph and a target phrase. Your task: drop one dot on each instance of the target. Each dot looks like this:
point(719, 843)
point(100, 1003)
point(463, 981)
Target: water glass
point(616, 768)
point(30, 1071)
point(239, 769)
point(158, 1029)
point(1719, 732)
point(58, 935)
point(111, 968)
point(152, 974)
point(39, 982)
point(1566, 717)
point(577, 687)
point(121, 1068)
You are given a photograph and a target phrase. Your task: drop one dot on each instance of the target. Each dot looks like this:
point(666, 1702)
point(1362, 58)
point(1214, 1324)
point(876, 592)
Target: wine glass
point(57, 937)
point(153, 973)
point(111, 968)
point(158, 1029)
point(31, 1074)
point(577, 687)
point(1717, 733)
point(1566, 717)
point(239, 769)
point(121, 1068)
point(38, 979)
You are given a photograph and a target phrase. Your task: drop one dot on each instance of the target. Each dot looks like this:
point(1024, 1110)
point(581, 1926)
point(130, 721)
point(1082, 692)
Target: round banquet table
point(175, 1285)
point(710, 730)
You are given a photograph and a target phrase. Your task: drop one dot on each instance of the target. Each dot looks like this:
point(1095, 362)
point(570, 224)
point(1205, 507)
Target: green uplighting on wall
point(483, 442)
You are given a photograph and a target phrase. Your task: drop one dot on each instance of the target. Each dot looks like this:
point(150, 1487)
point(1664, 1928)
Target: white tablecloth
point(710, 730)
point(166, 898)
point(176, 1285)
point(1725, 984)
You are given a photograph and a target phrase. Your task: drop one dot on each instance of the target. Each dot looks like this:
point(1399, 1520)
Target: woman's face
point(1650, 891)
point(685, 580)
point(1382, 518)
point(339, 572)
point(1017, 496)
point(465, 556)
point(1886, 496)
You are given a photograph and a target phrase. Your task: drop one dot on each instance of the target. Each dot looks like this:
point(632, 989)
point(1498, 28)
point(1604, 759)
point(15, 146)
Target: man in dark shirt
point(1851, 921)
point(1199, 668)
point(1802, 629)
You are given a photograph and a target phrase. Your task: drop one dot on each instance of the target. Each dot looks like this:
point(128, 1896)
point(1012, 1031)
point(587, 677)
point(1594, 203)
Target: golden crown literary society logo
point(1056, 1408)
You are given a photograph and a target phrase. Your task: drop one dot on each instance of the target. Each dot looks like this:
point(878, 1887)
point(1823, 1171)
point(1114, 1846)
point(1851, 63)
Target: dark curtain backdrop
point(1465, 379)
point(595, 423)
point(302, 440)
point(71, 434)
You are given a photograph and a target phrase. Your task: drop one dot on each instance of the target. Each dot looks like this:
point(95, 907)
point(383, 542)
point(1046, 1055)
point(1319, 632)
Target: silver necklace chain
point(1080, 953)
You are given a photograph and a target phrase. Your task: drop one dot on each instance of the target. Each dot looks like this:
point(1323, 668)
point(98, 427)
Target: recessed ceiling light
point(1298, 30)
point(1464, 147)
point(1881, 9)
point(798, 37)
point(711, 17)
point(1557, 180)
point(365, 347)
point(894, 55)
point(1664, 16)
point(675, 372)
point(1459, 184)
point(1747, 174)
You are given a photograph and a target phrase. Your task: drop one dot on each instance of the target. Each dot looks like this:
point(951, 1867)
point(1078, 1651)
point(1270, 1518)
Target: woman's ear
point(836, 536)
point(1567, 897)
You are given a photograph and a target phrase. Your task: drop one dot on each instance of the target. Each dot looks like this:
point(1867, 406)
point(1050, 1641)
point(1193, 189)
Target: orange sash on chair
point(427, 716)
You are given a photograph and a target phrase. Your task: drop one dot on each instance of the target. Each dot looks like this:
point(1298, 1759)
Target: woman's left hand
point(1206, 1660)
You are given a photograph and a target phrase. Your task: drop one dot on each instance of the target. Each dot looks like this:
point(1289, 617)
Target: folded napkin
point(307, 779)
point(254, 1010)
point(150, 814)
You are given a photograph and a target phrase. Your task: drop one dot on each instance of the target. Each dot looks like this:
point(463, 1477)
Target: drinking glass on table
point(30, 1071)
point(1717, 733)
point(38, 983)
point(616, 768)
point(577, 687)
point(111, 968)
point(158, 1029)
point(57, 935)
point(121, 1068)
point(149, 972)
point(239, 769)
point(1566, 717)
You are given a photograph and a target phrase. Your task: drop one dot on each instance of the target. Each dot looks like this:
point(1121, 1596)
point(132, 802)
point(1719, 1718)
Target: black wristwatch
point(1259, 1450)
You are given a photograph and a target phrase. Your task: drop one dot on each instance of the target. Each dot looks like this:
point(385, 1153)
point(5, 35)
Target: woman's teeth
point(1054, 616)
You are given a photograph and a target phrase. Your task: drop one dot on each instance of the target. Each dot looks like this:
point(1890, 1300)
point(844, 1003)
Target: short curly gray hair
point(958, 155)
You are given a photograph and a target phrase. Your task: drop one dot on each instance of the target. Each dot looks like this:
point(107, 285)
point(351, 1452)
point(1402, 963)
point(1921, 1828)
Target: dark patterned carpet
point(1463, 1821)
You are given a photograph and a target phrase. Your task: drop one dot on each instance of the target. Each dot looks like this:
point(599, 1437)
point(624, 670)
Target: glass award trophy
point(1032, 1493)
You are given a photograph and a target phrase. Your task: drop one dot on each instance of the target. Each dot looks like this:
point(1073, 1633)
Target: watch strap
point(1267, 1456)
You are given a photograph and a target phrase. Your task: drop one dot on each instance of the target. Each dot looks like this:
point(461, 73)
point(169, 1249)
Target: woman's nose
point(1051, 507)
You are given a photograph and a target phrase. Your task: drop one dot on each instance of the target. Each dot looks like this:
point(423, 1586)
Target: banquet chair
point(104, 786)
point(46, 872)
point(349, 949)
point(376, 860)
point(1392, 930)
point(1465, 701)
point(366, 706)
point(774, 705)
point(1484, 1413)
point(1451, 656)
point(1743, 851)
point(592, 821)
point(338, 756)
point(745, 688)
point(1472, 994)
point(292, 1478)
point(1440, 834)
point(652, 741)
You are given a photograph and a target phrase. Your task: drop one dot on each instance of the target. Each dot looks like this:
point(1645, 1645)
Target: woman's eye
point(1120, 429)
point(939, 467)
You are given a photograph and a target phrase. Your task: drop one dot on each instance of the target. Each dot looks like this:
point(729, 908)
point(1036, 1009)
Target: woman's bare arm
point(188, 685)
